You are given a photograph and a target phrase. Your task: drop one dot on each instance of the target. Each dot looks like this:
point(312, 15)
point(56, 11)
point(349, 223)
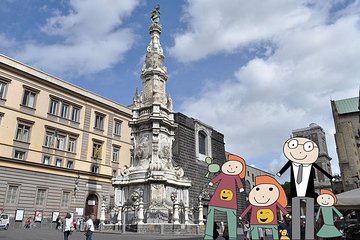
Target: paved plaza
point(49, 234)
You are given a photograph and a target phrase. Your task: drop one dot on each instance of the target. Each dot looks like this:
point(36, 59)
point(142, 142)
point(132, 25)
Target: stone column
point(201, 217)
point(119, 215)
point(124, 222)
point(141, 212)
point(176, 213)
point(186, 214)
point(102, 213)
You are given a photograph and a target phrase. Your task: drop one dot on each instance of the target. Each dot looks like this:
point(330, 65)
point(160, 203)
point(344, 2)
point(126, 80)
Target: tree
point(286, 187)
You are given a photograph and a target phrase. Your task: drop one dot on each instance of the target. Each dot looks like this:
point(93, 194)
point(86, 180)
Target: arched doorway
point(91, 205)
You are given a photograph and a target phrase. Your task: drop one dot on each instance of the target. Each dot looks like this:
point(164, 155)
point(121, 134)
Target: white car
point(4, 221)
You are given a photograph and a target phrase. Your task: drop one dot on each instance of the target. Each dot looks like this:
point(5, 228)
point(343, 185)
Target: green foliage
point(286, 187)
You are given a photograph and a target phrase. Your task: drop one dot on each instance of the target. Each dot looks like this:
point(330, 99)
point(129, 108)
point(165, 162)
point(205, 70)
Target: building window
point(53, 107)
point(65, 200)
point(70, 164)
point(40, 197)
point(58, 162)
point(113, 173)
point(95, 169)
point(202, 143)
point(252, 177)
point(75, 114)
point(117, 128)
point(20, 155)
point(2, 89)
point(12, 194)
point(60, 142)
point(96, 153)
point(29, 98)
point(23, 132)
point(67, 110)
point(72, 144)
point(49, 136)
point(116, 153)
point(64, 110)
point(99, 121)
point(46, 160)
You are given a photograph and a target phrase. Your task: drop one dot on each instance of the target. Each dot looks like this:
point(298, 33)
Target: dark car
point(352, 232)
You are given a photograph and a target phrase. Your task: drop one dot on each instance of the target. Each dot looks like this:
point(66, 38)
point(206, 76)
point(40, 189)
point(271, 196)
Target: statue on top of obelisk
point(155, 15)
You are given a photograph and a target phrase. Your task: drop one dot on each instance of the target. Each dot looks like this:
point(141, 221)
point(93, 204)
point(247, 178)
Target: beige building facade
point(347, 126)
point(60, 145)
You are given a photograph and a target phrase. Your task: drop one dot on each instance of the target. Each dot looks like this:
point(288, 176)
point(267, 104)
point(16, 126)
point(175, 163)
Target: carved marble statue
point(155, 15)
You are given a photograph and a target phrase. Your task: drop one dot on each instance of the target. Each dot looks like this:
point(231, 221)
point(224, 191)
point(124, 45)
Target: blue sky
point(253, 70)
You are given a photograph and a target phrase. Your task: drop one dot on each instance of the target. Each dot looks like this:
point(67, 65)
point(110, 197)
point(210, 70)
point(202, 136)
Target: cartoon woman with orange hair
point(265, 198)
point(224, 197)
point(326, 200)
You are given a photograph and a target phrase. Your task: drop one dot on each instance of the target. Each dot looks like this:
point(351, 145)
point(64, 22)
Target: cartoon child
point(326, 200)
point(224, 197)
point(265, 199)
point(302, 154)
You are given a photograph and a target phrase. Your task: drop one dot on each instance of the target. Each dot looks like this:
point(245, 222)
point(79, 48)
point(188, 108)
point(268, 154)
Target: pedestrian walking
point(216, 233)
point(226, 232)
point(58, 222)
point(89, 228)
point(77, 224)
point(28, 222)
point(67, 226)
point(246, 228)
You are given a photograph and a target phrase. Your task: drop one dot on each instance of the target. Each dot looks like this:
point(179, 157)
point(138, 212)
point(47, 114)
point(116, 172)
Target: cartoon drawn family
point(267, 198)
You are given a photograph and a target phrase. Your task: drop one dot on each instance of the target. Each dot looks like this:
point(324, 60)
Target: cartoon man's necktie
point(300, 174)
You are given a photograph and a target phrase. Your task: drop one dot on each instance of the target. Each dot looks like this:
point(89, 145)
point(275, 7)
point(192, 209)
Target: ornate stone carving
point(137, 99)
point(179, 172)
point(142, 153)
point(124, 171)
point(157, 195)
point(169, 104)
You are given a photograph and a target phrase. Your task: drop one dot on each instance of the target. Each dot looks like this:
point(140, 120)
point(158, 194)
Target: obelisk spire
point(153, 72)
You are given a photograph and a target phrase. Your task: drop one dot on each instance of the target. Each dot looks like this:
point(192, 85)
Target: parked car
point(352, 232)
point(4, 221)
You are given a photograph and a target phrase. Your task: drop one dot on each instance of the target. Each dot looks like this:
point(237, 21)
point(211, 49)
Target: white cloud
point(225, 26)
point(91, 38)
point(6, 43)
point(269, 97)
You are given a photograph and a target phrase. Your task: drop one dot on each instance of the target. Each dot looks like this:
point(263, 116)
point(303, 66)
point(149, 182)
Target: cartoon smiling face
point(232, 167)
point(264, 195)
point(264, 216)
point(325, 200)
point(301, 150)
point(226, 195)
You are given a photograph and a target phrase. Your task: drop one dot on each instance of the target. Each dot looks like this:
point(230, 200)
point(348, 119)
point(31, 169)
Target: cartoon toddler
point(326, 200)
point(265, 199)
point(224, 197)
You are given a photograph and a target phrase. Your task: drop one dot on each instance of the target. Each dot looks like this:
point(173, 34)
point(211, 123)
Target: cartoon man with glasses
point(302, 154)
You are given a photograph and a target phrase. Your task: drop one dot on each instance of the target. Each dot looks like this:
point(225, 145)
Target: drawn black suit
point(310, 191)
